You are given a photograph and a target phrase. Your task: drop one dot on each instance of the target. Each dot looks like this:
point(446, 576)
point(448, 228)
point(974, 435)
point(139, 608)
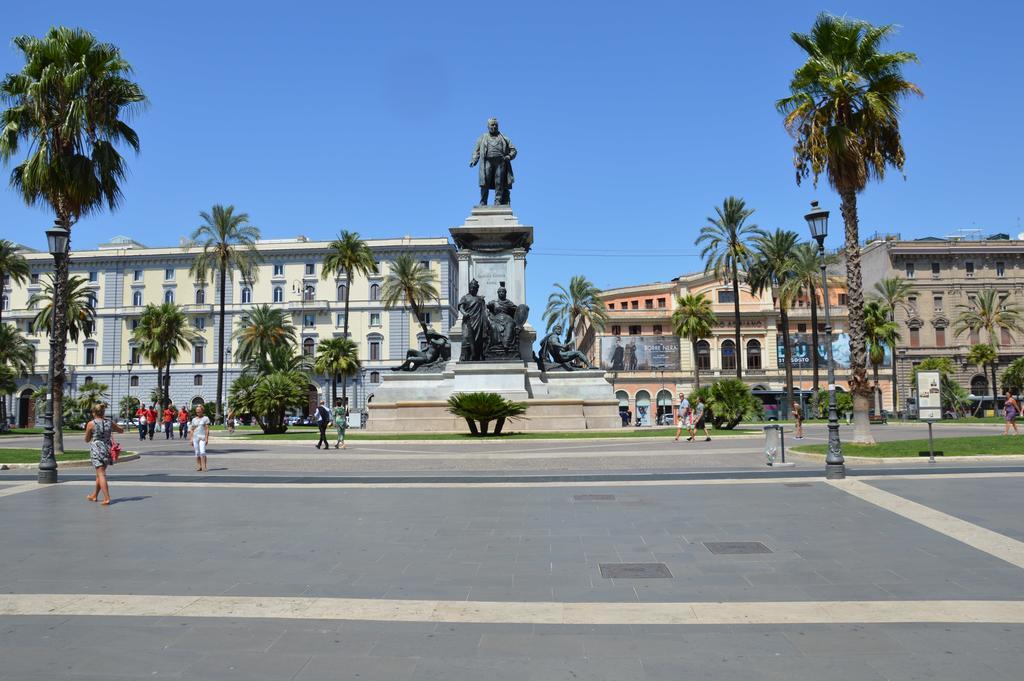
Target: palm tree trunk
point(59, 332)
point(877, 392)
point(334, 389)
point(736, 313)
point(166, 385)
point(696, 367)
point(419, 317)
point(220, 344)
point(814, 339)
point(348, 291)
point(572, 323)
point(861, 391)
point(787, 358)
point(995, 410)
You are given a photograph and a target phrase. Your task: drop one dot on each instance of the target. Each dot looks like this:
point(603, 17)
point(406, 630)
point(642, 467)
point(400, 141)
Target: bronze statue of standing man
point(494, 152)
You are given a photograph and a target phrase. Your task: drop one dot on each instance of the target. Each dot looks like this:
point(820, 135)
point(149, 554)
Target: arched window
point(308, 347)
point(92, 300)
point(278, 294)
point(728, 355)
point(169, 296)
point(246, 294)
point(703, 355)
point(88, 380)
point(753, 354)
point(309, 293)
point(374, 291)
point(341, 292)
point(374, 377)
point(200, 296)
point(623, 397)
point(134, 381)
point(137, 299)
point(197, 379)
point(196, 401)
point(643, 407)
point(664, 404)
point(979, 386)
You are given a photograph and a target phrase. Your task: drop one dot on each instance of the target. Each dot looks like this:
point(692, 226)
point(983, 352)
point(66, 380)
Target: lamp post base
point(47, 477)
point(835, 471)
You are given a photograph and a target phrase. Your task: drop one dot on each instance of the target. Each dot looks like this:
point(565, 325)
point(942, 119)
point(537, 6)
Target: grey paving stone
point(231, 666)
point(435, 644)
point(532, 645)
point(853, 638)
point(218, 638)
point(585, 670)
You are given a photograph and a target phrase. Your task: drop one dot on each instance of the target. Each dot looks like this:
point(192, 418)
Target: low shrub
point(483, 408)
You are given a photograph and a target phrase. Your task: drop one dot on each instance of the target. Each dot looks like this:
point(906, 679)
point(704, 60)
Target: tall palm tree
point(13, 265)
point(162, 334)
point(726, 242)
point(579, 305)
point(893, 292)
point(17, 357)
point(985, 355)
point(804, 282)
point(337, 357)
point(771, 268)
point(843, 111)
point(881, 333)
point(79, 311)
point(348, 255)
point(408, 282)
point(67, 109)
point(229, 244)
point(693, 319)
point(991, 312)
point(261, 330)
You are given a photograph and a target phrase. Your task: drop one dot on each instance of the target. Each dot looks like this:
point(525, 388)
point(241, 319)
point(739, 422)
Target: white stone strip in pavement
point(992, 543)
point(26, 487)
point(514, 612)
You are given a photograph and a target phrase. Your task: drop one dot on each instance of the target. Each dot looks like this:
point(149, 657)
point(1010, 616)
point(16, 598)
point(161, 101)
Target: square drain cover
point(635, 571)
point(736, 547)
point(593, 497)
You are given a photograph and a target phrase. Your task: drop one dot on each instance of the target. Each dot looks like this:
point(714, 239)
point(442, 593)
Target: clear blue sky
point(632, 120)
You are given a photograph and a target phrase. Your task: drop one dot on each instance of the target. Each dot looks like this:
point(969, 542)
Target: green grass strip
point(307, 434)
point(32, 455)
point(986, 445)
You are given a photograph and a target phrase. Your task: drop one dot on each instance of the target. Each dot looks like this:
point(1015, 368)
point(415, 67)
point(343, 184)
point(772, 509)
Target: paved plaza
point(525, 561)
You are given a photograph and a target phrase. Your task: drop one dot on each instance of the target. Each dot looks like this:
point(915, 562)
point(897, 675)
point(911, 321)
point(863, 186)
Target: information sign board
point(929, 395)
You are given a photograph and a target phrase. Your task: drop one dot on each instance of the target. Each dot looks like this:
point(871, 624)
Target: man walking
point(323, 419)
point(151, 420)
point(684, 416)
point(169, 422)
point(698, 422)
point(140, 416)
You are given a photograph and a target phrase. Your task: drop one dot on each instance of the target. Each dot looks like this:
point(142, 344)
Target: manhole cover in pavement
point(736, 547)
point(593, 497)
point(635, 571)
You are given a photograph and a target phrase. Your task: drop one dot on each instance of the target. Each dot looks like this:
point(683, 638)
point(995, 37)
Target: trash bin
point(774, 444)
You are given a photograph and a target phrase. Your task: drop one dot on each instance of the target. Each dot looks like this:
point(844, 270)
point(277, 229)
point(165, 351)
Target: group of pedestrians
point(147, 418)
point(691, 418)
point(338, 416)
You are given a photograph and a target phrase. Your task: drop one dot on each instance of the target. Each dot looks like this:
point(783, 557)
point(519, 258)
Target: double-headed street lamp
point(57, 241)
point(835, 467)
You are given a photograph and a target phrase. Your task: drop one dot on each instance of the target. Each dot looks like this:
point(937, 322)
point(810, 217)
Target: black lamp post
point(835, 467)
point(57, 242)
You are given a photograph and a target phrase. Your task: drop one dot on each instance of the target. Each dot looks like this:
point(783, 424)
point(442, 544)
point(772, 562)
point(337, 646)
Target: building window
point(91, 300)
point(308, 320)
point(936, 269)
point(661, 302)
point(134, 324)
point(1004, 336)
point(979, 386)
point(726, 296)
point(278, 294)
point(34, 278)
point(374, 291)
point(200, 296)
point(375, 351)
point(915, 337)
point(199, 323)
point(309, 293)
point(136, 356)
point(310, 269)
point(634, 330)
point(169, 274)
point(912, 304)
point(611, 306)
point(649, 304)
point(198, 354)
point(703, 356)
point(910, 270)
point(801, 327)
point(341, 292)
point(937, 303)
point(635, 304)
point(134, 382)
point(657, 330)
point(94, 276)
point(426, 317)
point(969, 269)
point(940, 336)
point(137, 275)
point(728, 355)
point(753, 354)
point(197, 380)
point(308, 347)
point(842, 299)
point(88, 380)
point(137, 299)
point(1000, 269)
point(374, 377)
point(425, 264)
point(375, 319)
point(90, 356)
point(339, 320)
point(5, 303)
point(616, 330)
point(246, 295)
point(975, 336)
point(278, 270)
point(169, 296)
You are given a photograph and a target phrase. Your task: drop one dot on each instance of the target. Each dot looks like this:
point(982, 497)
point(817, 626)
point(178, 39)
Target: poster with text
point(640, 353)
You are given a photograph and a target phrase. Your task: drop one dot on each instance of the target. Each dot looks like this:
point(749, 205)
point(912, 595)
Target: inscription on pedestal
point(490, 273)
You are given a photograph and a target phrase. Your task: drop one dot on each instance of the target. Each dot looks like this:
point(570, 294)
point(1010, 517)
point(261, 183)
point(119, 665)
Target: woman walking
point(798, 419)
point(97, 434)
point(199, 430)
point(340, 415)
point(1011, 410)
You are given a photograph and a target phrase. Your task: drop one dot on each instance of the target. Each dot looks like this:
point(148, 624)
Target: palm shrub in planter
point(727, 402)
point(484, 407)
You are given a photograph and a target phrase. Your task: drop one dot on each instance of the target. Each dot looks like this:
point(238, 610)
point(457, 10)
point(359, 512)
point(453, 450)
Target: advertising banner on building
point(800, 349)
point(640, 353)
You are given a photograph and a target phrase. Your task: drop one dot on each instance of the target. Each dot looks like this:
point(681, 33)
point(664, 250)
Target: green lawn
point(987, 445)
point(36, 431)
point(32, 455)
point(295, 433)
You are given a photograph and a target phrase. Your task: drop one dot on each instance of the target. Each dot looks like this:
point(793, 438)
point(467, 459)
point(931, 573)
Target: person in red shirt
point(151, 420)
point(140, 416)
point(169, 413)
point(182, 422)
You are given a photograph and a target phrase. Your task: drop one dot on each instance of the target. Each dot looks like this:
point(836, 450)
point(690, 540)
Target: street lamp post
point(130, 367)
point(835, 467)
point(57, 242)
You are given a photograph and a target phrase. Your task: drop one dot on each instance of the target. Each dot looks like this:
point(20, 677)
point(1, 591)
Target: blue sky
point(633, 120)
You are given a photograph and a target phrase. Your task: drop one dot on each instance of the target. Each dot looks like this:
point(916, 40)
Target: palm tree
point(13, 265)
point(17, 357)
point(348, 255)
point(229, 243)
point(843, 112)
point(771, 268)
point(261, 330)
point(79, 313)
point(991, 312)
point(162, 334)
point(985, 355)
point(804, 281)
point(337, 357)
point(881, 333)
point(894, 292)
point(66, 108)
point(408, 282)
point(578, 305)
point(726, 242)
point(693, 319)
